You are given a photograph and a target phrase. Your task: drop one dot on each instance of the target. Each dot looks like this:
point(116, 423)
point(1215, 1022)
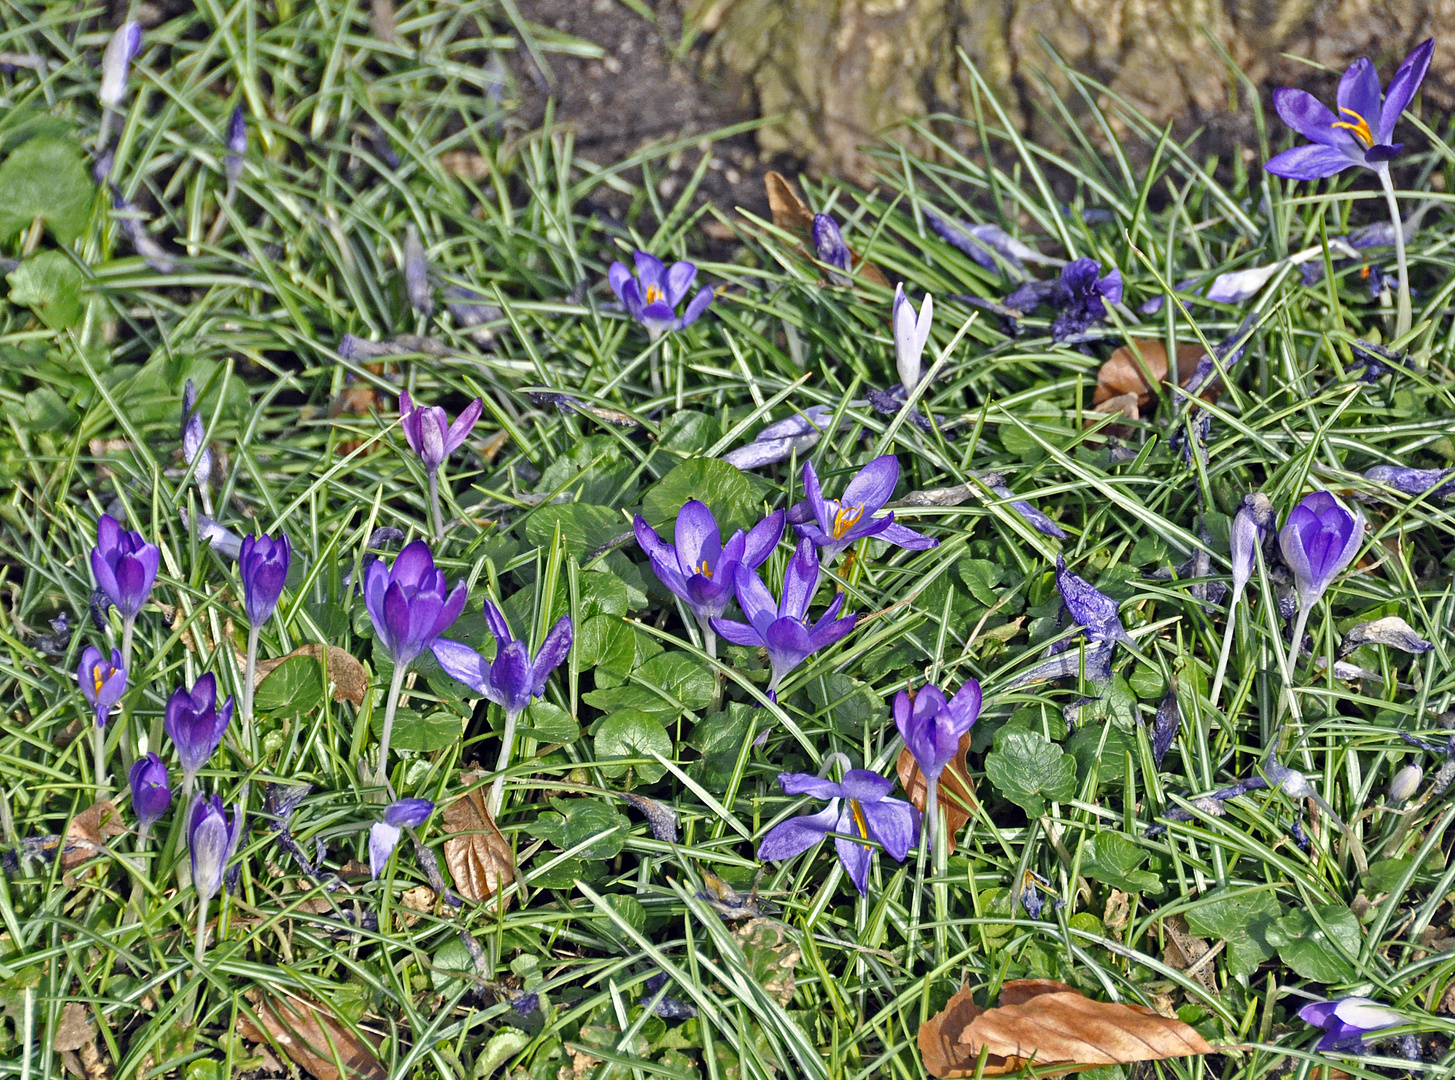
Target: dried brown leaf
point(350, 681)
point(88, 832)
point(74, 1031)
point(479, 859)
point(1184, 951)
point(313, 1038)
point(1121, 374)
point(466, 165)
point(957, 790)
point(939, 1037)
point(789, 211)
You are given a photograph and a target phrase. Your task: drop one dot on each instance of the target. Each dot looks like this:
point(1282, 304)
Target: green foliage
point(1027, 768)
point(50, 285)
point(46, 178)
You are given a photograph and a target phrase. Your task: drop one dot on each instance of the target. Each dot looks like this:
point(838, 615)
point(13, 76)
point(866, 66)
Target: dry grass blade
point(314, 1039)
point(957, 790)
point(480, 860)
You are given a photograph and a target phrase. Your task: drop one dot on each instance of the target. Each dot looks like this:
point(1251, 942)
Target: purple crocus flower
point(1083, 301)
point(384, 835)
point(195, 724)
point(125, 43)
point(1092, 609)
point(125, 566)
point(700, 569)
point(410, 603)
point(416, 276)
point(1345, 1021)
point(237, 144)
point(932, 726)
point(1318, 540)
point(1361, 133)
point(782, 627)
point(263, 563)
point(838, 523)
point(150, 795)
point(102, 680)
point(212, 842)
point(513, 678)
point(911, 333)
point(430, 434)
point(194, 434)
point(1035, 518)
point(1413, 481)
point(978, 241)
point(865, 815)
point(829, 246)
point(652, 296)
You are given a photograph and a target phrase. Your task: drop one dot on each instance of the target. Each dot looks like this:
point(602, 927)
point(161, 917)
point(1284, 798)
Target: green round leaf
point(50, 285)
point(1318, 948)
point(1028, 768)
point(629, 734)
point(292, 688)
point(46, 178)
point(726, 491)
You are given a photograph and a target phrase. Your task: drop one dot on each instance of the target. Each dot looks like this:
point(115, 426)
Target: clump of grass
point(1060, 872)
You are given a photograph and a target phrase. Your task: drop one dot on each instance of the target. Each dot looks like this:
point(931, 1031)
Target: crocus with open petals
point(513, 678)
point(699, 568)
point(384, 835)
point(1084, 296)
point(1346, 1021)
point(125, 566)
point(410, 603)
point(1318, 540)
point(103, 681)
point(782, 626)
point(652, 296)
point(212, 841)
point(858, 811)
point(195, 724)
point(430, 434)
point(932, 726)
point(911, 333)
point(150, 794)
point(263, 563)
point(1362, 132)
point(838, 523)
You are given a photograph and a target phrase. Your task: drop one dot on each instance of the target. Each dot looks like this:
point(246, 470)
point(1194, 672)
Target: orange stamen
point(654, 294)
point(859, 822)
point(97, 679)
point(845, 519)
point(704, 569)
point(1361, 129)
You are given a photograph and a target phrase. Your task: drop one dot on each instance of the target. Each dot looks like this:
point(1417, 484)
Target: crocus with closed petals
point(780, 439)
point(212, 841)
point(858, 811)
point(1319, 539)
point(699, 568)
point(1346, 1021)
point(1413, 481)
point(652, 296)
point(125, 566)
point(195, 725)
point(932, 726)
point(1405, 783)
point(125, 43)
point(911, 333)
point(237, 144)
point(263, 564)
point(430, 434)
point(829, 246)
point(103, 681)
point(1250, 525)
point(1035, 518)
point(194, 445)
point(838, 523)
point(513, 678)
point(978, 241)
point(416, 274)
point(384, 835)
point(410, 603)
point(150, 795)
point(782, 626)
point(1092, 609)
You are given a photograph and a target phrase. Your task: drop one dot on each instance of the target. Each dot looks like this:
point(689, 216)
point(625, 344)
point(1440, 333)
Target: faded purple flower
point(1084, 298)
point(212, 842)
point(652, 296)
point(194, 435)
point(410, 603)
point(384, 835)
point(416, 273)
point(1093, 610)
point(102, 680)
point(700, 569)
point(125, 43)
point(1319, 539)
point(430, 434)
point(1345, 1021)
point(237, 144)
point(829, 246)
point(125, 566)
point(782, 627)
point(978, 241)
point(263, 565)
point(865, 815)
point(911, 333)
point(1238, 285)
point(780, 439)
point(513, 678)
point(150, 795)
point(932, 727)
point(839, 523)
point(1337, 142)
point(1166, 725)
point(1251, 524)
point(1037, 520)
point(195, 724)
point(1413, 481)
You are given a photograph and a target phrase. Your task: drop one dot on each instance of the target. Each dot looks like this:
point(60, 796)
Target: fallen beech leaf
point(1184, 951)
point(74, 1031)
point(313, 1038)
point(939, 1037)
point(1067, 1028)
point(88, 831)
point(1122, 375)
point(957, 790)
point(350, 682)
point(793, 215)
point(1020, 991)
point(479, 859)
point(355, 400)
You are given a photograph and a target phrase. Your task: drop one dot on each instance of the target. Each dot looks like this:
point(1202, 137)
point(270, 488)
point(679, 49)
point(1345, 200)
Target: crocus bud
point(125, 566)
point(1405, 783)
point(263, 563)
point(150, 795)
point(1252, 521)
point(102, 680)
point(195, 724)
point(429, 433)
point(416, 273)
point(115, 65)
point(212, 842)
point(829, 246)
point(1319, 539)
point(932, 726)
point(237, 144)
point(910, 335)
point(194, 435)
point(384, 835)
point(410, 603)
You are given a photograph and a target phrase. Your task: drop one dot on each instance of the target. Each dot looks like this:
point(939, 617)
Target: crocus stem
point(434, 506)
point(128, 629)
point(137, 888)
point(507, 743)
point(201, 948)
point(709, 646)
point(1403, 315)
point(1217, 685)
point(1296, 648)
point(98, 741)
point(932, 809)
point(250, 670)
point(396, 683)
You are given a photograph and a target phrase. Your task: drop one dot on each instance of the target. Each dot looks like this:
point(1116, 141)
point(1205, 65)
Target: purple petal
point(907, 538)
point(1404, 86)
point(864, 785)
point(799, 582)
point(651, 271)
point(797, 783)
point(695, 308)
point(510, 677)
point(498, 626)
point(736, 632)
point(618, 275)
point(1358, 96)
point(651, 543)
point(826, 632)
point(891, 822)
point(697, 538)
point(1311, 162)
point(796, 835)
point(105, 578)
point(554, 649)
point(412, 564)
point(449, 612)
point(763, 538)
point(383, 839)
point(1309, 117)
point(813, 497)
point(1318, 1013)
point(874, 485)
point(788, 643)
point(463, 663)
point(678, 281)
point(408, 813)
point(460, 429)
point(855, 857)
point(755, 599)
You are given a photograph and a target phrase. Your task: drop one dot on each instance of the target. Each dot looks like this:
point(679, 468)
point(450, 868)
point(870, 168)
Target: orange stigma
point(654, 293)
point(704, 569)
point(1361, 129)
point(845, 518)
point(97, 679)
point(859, 822)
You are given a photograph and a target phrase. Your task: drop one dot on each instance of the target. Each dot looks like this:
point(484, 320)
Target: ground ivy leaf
point(1112, 859)
point(1240, 920)
point(726, 491)
point(630, 733)
point(667, 683)
point(980, 576)
point(1028, 768)
point(584, 527)
point(575, 820)
point(50, 285)
point(46, 178)
point(594, 470)
point(292, 688)
point(719, 739)
point(549, 723)
point(1318, 952)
